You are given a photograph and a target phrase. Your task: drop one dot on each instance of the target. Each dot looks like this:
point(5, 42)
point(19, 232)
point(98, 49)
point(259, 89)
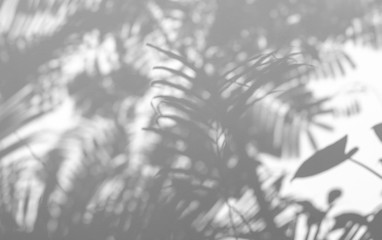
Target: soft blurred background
point(187, 119)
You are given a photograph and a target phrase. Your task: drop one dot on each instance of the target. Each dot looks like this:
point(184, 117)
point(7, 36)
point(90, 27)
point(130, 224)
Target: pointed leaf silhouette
point(378, 131)
point(334, 195)
point(325, 159)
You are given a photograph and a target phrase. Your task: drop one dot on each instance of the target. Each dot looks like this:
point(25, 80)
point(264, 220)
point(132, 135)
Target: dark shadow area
point(186, 120)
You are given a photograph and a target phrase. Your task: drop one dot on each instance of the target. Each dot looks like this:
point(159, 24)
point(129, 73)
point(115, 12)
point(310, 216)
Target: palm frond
point(18, 113)
point(202, 148)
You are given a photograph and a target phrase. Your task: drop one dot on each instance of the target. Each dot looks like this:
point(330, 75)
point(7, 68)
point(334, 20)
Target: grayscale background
point(190, 119)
